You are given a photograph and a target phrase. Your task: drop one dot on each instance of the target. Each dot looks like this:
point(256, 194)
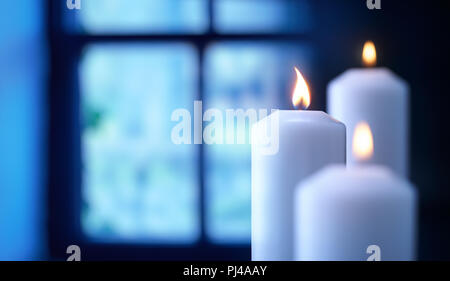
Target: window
point(137, 184)
point(143, 16)
point(131, 63)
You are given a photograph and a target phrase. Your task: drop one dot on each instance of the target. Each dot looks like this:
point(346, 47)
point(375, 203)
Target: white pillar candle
point(355, 213)
point(380, 97)
point(308, 140)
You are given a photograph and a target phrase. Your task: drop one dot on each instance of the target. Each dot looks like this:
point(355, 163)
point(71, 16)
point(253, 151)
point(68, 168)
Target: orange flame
point(301, 97)
point(369, 55)
point(362, 141)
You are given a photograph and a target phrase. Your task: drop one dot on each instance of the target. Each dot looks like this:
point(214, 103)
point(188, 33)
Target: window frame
point(64, 144)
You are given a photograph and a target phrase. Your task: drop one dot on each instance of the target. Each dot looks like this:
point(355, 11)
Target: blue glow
point(241, 75)
point(137, 184)
point(22, 130)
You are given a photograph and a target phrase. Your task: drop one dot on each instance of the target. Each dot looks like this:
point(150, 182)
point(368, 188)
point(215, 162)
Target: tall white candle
point(380, 97)
point(308, 140)
point(355, 213)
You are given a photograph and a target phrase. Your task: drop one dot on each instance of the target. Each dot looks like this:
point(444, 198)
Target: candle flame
point(300, 96)
point(369, 55)
point(362, 141)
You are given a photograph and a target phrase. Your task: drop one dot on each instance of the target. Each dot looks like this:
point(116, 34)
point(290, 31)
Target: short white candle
point(380, 97)
point(308, 140)
point(341, 211)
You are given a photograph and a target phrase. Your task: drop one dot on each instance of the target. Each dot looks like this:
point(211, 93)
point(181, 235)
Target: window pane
point(141, 16)
point(263, 16)
point(137, 184)
point(241, 75)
